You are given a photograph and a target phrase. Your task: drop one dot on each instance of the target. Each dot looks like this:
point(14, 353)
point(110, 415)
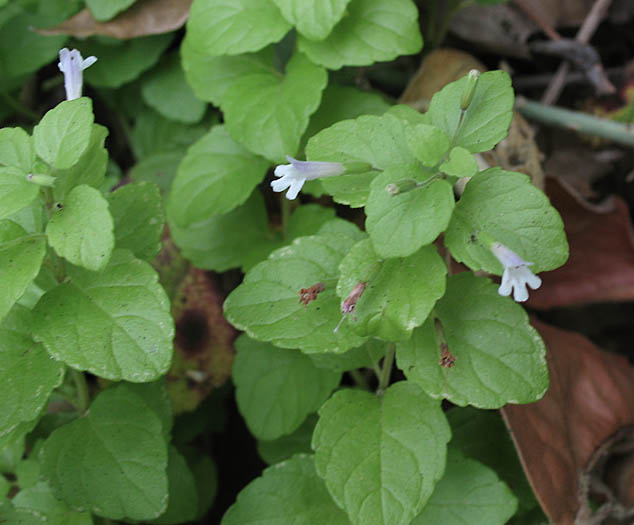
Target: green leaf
point(232, 27)
point(343, 103)
point(90, 169)
point(9, 514)
point(314, 20)
point(21, 256)
point(166, 90)
point(113, 461)
point(470, 493)
point(82, 231)
point(266, 305)
point(27, 472)
point(121, 62)
point(378, 141)
point(115, 324)
point(506, 206)
point(159, 169)
point(268, 112)
point(23, 50)
point(64, 132)
point(182, 505)
point(27, 374)
point(155, 396)
point(288, 492)
point(216, 175)
point(16, 192)
point(483, 436)
point(400, 224)
point(104, 10)
point(40, 502)
point(396, 299)
point(500, 358)
point(277, 388)
point(428, 144)
point(205, 476)
point(487, 119)
point(284, 447)
point(381, 455)
point(372, 31)
point(460, 163)
point(16, 149)
point(137, 212)
point(365, 356)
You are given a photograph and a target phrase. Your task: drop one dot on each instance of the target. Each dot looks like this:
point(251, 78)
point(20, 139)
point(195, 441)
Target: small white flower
point(294, 175)
point(517, 273)
point(72, 65)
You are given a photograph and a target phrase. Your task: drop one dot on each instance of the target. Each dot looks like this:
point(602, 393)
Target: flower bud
point(40, 179)
point(402, 186)
point(469, 89)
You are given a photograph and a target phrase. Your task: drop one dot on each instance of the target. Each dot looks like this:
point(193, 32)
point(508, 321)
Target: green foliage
point(106, 9)
point(313, 20)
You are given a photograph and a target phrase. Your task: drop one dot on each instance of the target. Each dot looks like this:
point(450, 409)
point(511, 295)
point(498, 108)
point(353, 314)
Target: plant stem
point(576, 121)
point(286, 213)
point(359, 379)
point(386, 370)
point(83, 397)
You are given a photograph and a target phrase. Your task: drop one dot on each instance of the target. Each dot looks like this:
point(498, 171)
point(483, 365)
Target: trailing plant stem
point(83, 397)
point(359, 379)
point(386, 370)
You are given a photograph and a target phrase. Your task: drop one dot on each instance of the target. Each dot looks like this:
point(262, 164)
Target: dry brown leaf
point(559, 437)
point(145, 17)
point(601, 263)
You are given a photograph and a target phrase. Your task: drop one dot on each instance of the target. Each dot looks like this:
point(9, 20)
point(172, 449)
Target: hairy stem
point(386, 370)
point(83, 397)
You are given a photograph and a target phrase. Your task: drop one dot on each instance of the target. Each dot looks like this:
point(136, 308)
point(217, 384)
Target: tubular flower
point(72, 65)
point(294, 175)
point(517, 273)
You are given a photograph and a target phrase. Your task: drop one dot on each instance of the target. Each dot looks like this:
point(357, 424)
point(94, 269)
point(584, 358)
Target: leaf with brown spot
point(145, 17)
point(559, 437)
point(601, 263)
point(203, 347)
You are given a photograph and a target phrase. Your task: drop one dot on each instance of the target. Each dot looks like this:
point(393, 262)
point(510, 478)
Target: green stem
point(576, 121)
point(83, 397)
point(19, 108)
point(386, 370)
point(286, 213)
point(359, 379)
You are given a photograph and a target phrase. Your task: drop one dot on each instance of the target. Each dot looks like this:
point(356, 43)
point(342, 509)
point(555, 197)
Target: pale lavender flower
point(517, 273)
point(294, 175)
point(72, 65)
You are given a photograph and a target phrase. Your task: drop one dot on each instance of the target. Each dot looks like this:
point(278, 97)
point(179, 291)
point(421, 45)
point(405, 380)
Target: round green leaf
point(216, 175)
point(63, 134)
point(115, 324)
point(381, 455)
point(488, 117)
point(470, 493)
point(372, 31)
point(286, 446)
point(506, 206)
point(82, 231)
point(460, 163)
point(40, 502)
point(277, 388)
point(314, 20)
point(16, 192)
point(16, 149)
point(166, 90)
point(288, 492)
point(232, 27)
point(104, 10)
point(266, 305)
point(398, 297)
point(378, 141)
point(27, 373)
point(428, 144)
point(268, 112)
point(500, 357)
point(182, 505)
point(400, 224)
point(21, 256)
point(112, 461)
point(137, 212)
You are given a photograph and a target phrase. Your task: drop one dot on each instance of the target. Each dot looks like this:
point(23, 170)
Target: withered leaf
point(145, 17)
point(589, 400)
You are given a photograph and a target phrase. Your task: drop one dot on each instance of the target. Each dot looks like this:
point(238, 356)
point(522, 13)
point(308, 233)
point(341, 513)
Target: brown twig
point(584, 34)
